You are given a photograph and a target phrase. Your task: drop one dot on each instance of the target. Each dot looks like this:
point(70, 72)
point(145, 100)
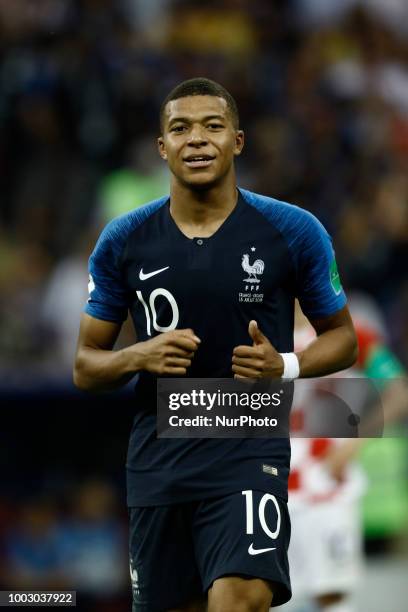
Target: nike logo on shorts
point(258, 551)
point(143, 276)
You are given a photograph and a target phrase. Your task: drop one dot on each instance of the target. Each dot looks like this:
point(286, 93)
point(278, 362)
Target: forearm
point(104, 370)
point(332, 351)
point(101, 369)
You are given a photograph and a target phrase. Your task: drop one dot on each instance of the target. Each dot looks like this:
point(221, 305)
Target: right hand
point(168, 353)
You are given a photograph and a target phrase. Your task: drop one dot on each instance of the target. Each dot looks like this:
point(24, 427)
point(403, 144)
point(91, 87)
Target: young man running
point(209, 276)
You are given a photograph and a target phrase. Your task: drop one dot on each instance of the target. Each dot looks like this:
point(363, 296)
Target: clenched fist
point(168, 353)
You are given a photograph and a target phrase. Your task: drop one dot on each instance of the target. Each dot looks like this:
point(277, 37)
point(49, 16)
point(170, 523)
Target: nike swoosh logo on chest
point(144, 276)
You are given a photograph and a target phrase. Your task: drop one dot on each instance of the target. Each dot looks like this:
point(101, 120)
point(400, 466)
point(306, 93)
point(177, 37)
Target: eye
point(215, 126)
point(178, 128)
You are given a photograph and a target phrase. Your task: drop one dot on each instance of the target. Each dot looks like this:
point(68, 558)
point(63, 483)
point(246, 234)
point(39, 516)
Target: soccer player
point(209, 276)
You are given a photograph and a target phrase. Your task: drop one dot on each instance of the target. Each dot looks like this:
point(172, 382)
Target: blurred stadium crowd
point(323, 96)
point(322, 88)
point(79, 546)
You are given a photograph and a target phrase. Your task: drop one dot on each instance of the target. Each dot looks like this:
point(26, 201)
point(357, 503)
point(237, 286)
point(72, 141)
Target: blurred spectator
point(92, 542)
point(31, 549)
point(145, 178)
point(315, 13)
point(223, 28)
point(24, 341)
point(62, 303)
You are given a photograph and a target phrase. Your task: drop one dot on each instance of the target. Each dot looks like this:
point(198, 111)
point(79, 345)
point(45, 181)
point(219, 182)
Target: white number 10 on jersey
point(152, 318)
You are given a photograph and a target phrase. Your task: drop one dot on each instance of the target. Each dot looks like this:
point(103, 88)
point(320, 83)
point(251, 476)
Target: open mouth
point(198, 161)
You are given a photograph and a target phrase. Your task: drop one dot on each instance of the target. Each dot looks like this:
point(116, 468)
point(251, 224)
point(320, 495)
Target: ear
point(239, 142)
point(162, 148)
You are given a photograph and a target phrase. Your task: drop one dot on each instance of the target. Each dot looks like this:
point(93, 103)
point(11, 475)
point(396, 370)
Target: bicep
point(341, 318)
point(97, 334)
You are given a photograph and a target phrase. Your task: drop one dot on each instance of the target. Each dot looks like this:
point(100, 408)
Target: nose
point(197, 135)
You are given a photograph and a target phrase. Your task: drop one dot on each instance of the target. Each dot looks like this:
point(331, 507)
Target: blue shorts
point(177, 551)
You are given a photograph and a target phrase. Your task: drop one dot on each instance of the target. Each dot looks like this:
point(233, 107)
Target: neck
point(202, 212)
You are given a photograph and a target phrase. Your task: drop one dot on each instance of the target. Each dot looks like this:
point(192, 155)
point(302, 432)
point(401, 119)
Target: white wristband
point(291, 368)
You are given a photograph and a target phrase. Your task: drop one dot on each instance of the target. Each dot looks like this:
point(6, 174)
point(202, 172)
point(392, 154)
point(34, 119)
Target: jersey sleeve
point(318, 282)
point(109, 298)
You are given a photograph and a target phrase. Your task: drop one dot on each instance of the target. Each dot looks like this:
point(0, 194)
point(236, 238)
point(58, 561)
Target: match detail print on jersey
point(250, 293)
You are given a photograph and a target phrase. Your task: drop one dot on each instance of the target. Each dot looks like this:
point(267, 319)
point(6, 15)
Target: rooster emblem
point(256, 268)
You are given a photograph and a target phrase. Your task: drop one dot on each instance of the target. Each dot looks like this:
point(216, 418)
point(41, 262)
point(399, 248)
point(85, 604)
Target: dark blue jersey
point(264, 255)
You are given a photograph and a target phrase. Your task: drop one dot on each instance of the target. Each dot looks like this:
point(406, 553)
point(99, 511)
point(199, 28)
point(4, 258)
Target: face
point(199, 141)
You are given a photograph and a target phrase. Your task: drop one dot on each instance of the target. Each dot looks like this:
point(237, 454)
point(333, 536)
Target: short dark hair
point(201, 86)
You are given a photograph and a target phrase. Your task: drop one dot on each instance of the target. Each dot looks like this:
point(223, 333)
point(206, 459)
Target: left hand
point(261, 360)
point(340, 457)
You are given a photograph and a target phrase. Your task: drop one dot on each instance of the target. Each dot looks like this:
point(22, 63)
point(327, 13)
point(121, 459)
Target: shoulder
point(292, 221)
point(117, 231)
